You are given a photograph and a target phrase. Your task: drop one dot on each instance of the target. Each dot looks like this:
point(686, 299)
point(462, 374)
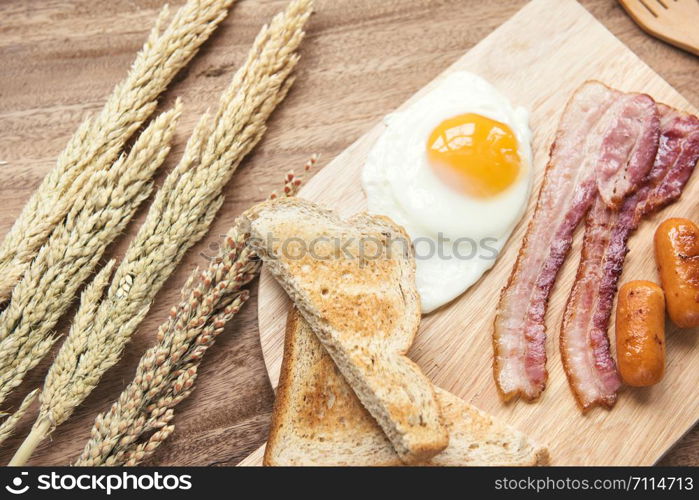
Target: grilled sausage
point(640, 333)
point(677, 257)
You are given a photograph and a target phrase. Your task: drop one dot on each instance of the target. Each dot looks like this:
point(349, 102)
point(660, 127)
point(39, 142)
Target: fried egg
point(455, 170)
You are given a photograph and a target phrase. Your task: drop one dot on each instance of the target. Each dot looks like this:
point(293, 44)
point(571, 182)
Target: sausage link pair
point(640, 333)
point(640, 315)
point(677, 255)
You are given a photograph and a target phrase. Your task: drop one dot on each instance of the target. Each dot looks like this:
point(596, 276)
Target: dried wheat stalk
point(180, 215)
point(11, 420)
point(140, 420)
point(99, 139)
point(74, 250)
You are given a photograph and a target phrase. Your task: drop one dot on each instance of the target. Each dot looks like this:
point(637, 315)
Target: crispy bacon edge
point(588, 310)
point(533, 329)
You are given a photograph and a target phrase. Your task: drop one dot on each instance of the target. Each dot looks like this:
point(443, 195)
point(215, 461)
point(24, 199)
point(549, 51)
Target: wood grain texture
point(361, 60)
point(547, 41)
point(673, 22)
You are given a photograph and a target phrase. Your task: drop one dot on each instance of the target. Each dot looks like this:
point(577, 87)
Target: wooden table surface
point(361, 59)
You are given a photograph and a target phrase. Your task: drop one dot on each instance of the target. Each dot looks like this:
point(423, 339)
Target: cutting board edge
point(374, 130)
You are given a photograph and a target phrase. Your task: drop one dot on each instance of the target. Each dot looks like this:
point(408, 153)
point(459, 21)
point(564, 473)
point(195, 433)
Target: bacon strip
point(585, 349)
point(587, 151)
point(638, 118)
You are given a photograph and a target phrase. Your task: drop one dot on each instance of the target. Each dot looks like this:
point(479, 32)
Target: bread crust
point(364, 311)
point(281, 400)
point(304, 432)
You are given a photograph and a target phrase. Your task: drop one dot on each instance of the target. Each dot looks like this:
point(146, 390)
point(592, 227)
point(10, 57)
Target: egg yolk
point(475, 155)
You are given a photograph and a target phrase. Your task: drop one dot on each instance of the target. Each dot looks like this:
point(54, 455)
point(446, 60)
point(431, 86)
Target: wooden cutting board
point(536, 59)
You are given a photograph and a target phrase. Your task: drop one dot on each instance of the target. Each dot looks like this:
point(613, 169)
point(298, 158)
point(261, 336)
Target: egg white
point(457, 238)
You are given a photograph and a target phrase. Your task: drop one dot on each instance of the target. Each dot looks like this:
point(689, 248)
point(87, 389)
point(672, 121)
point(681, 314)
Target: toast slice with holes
point(319, 421)
point(354, 283)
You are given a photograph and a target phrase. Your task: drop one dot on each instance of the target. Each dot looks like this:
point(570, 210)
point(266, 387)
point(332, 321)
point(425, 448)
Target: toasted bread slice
point(318, 420)
point(354, 283)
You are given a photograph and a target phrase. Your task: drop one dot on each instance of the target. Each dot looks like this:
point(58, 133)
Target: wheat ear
point(180, 215)
point(140, 420)
point(8, 426)
point(98, 140)
point(74, 249)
